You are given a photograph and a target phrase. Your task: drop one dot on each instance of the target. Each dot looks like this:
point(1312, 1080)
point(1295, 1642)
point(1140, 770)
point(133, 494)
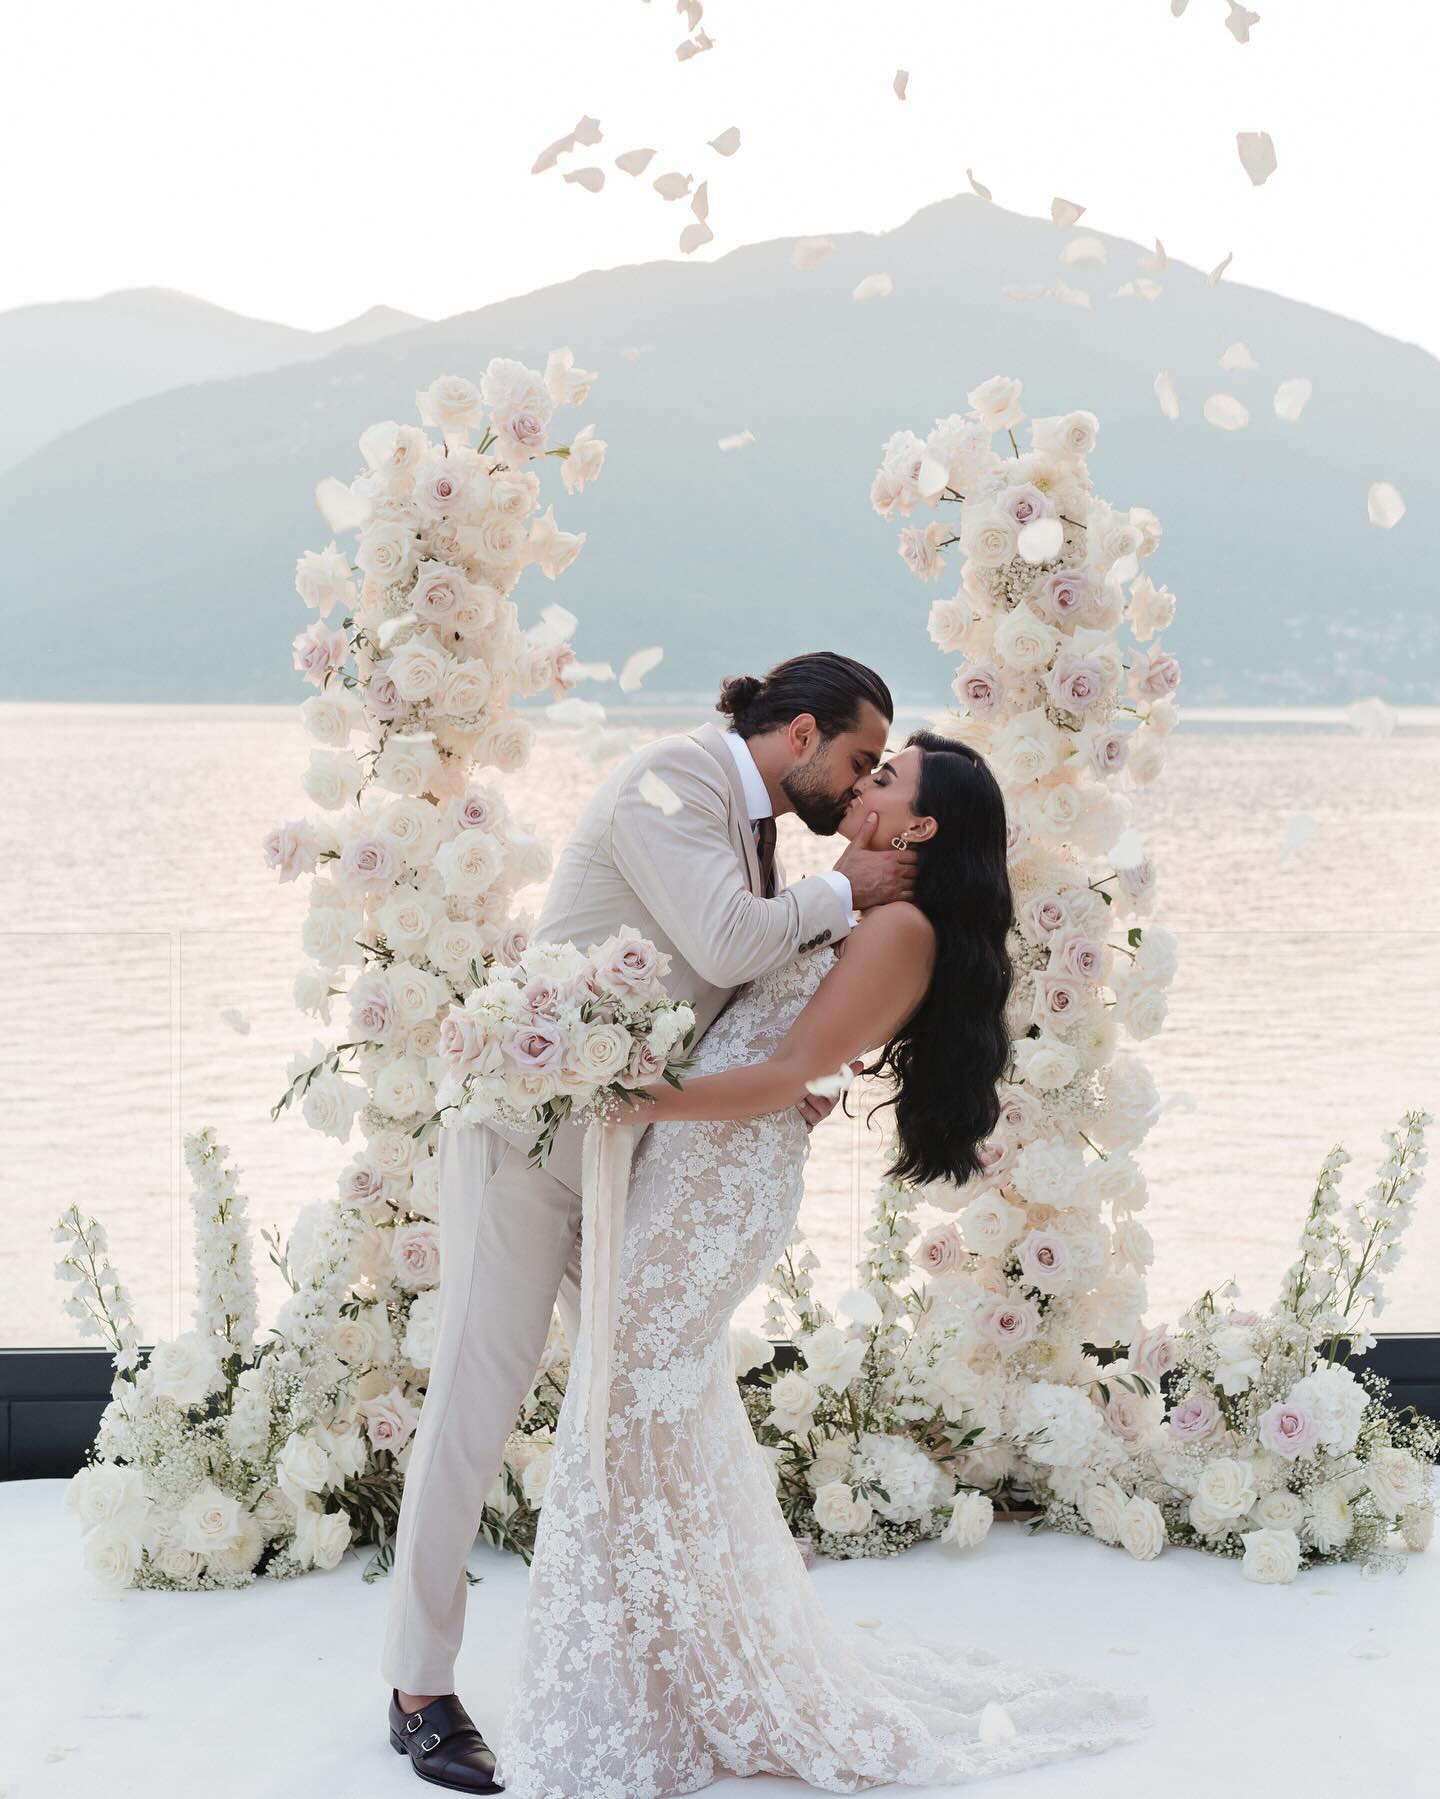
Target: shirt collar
point(757, 799)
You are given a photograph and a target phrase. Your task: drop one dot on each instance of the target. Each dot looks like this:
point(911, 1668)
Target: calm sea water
point(1300, 867)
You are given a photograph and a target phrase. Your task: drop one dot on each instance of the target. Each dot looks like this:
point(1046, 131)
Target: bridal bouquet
point(561, 1033)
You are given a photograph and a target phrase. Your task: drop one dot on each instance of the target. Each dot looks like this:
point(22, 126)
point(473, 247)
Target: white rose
point(1226, 1487)
point(322, 579)
point(1102, 1506)
point(209, 1520)
point(585, 461)
point(402, 1089)
point(990, 1224)
point(1067, 438)
point(387, 552)
point(112, 1556)
point(838, 1509)
point(600, 1053)
point(1396, 1479)
point(450, 403)
point(470, 864)
point(1142, 1528)
point(303, 1467)
point(1045, 1061)
point(536, 1478)
point(1278, 1509)
point(831, 1358)
point(186, 1368)
point(1022, 640)
point(970, 1519)
point(107, 1494)
point(996, 403)
point(792, 1399)
point(1271, 1556)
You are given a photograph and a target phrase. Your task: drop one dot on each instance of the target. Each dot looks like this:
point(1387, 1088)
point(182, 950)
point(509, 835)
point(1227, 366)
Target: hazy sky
point(305, 159)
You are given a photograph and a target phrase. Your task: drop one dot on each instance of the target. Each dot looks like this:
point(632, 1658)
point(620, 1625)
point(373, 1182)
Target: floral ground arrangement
point(1001, 1357)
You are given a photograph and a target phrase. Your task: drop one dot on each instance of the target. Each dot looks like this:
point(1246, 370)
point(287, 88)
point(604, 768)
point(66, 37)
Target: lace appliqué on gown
point(683, 1640)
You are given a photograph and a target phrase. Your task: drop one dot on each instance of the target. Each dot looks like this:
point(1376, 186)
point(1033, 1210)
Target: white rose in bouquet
point(792, 1401)
point(1226, 1487)
point(1396, 1480)
point(996, 403)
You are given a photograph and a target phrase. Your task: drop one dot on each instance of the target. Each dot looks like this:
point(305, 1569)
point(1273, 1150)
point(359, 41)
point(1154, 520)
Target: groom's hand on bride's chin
point(877, 876)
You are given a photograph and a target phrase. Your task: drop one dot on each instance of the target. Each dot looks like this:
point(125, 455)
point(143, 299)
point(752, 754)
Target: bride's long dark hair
point(946, 1060)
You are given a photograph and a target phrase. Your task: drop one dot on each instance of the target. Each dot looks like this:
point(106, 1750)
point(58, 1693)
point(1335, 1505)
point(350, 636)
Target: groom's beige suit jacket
point(688, 880)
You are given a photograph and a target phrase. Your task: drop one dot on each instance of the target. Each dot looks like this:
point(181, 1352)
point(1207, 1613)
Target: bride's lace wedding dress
point(683, 1640)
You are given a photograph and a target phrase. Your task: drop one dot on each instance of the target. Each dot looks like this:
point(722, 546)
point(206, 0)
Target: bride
point(672, 1634)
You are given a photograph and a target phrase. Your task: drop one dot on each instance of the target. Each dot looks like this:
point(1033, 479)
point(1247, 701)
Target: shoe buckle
point(428, 1743)
point(413, 1722)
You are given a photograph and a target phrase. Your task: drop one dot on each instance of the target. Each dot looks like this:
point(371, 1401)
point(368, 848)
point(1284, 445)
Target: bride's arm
point(859, 1005)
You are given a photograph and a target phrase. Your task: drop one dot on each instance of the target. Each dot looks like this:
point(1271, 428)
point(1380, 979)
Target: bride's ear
point(922, 830)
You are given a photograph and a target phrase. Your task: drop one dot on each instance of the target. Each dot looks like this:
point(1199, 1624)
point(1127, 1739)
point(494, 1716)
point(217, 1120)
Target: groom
point(701, 882)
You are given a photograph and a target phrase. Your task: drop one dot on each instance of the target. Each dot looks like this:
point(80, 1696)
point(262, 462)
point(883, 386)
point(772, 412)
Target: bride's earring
point(902, 842)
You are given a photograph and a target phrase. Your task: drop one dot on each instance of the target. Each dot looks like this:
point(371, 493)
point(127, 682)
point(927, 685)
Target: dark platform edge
point(51, 1399)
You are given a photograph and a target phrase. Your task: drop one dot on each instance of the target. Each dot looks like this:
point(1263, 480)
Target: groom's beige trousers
point(509, 1248)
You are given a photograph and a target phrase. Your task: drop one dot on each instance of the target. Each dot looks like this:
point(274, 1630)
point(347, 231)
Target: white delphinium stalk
point(225, 1294)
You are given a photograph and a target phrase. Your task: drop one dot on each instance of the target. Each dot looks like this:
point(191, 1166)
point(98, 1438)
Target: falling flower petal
point(655, 793)
point(1385, 506)
point(556, 625)
point(673, 186)
point(1065, 212)
point(727, 143)
point(738, 441)
point(589, 671)
point(1300, 827)
point(236, 1021)
point(634, 162)
point(1082, 250)
point(1220, 267)
point(810, 252)
point(1071, 296)
point(996, 1724)
point(588, 131)
point(693, 236)
point(1142, 288)
point(1238, 357)
point(1257, 155)
point(693, 46)
point(1165, 393)
point(1370, 1652)
point(1240, 21)
point(1178, 1102)
point(859, 1307)
point(1156, 261)
point(869, 1623)
point(638, 666)
point(831, 1086)
point(700, 201)
point(693, 12)
point(338, 506)
point(1292, 397)
point(576, 712)
point(1041, 540)
point(1177, 7)
point(592, 180)
point(1227, 412)
point(1371, 718)
point(978, 187)
point(552, 154)
point(873, 287)
point(902, 77)
point(1124, 570)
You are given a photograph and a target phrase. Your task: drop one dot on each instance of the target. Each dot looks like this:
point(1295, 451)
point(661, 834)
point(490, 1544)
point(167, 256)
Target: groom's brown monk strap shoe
point(443, 1744)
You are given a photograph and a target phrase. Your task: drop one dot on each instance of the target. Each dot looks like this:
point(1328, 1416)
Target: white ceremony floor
point(1325, 1687)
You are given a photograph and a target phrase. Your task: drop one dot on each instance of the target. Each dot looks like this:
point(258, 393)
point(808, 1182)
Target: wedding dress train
point(681, 1639)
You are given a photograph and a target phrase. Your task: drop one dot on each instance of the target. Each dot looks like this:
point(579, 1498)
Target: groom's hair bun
point(737, 694)
point(829, 687)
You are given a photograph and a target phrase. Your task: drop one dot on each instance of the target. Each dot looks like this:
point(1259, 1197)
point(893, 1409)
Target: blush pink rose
point(382, 696)
point(630, 967)
point(1078, 682)
point(1062, 597)
point(292, 848)
point(980, 687)
point(940, 1251)
point(367, 862)
point(1153, 1352)
point(389, 1420)
point(534, 1045)
point(1024, 504)
point(1154, 673)
point(1008, 1322)
point(1288, 1429)
point(319, 651)
point(1196, 1419)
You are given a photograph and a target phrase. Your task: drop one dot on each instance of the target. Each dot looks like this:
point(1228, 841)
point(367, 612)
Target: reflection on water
point(138, 910)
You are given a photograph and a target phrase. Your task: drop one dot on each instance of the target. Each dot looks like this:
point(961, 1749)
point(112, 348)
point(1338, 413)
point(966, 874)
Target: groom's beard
point(815, 806)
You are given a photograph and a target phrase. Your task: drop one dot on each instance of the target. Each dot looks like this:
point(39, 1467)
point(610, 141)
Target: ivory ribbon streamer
point(605, 1181)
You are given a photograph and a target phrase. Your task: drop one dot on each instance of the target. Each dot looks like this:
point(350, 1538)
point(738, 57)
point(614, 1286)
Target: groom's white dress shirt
point(689, 880)
point(757, 799)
